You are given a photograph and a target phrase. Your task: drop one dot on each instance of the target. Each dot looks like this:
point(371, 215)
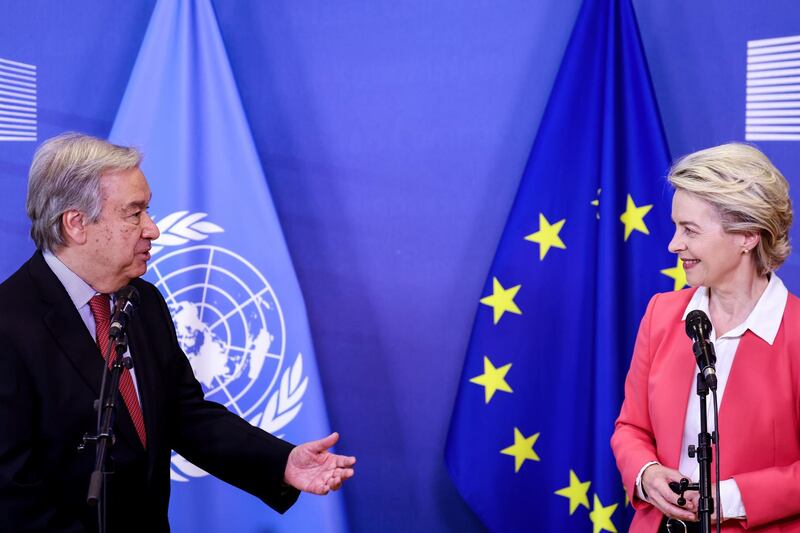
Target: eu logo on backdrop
point(773, 89)
point(17, 101)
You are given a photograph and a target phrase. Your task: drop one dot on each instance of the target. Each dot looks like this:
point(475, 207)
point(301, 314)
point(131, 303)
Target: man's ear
point(73, 227)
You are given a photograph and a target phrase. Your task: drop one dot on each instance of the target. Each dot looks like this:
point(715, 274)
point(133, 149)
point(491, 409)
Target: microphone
point(698, 328)
point(127, 300)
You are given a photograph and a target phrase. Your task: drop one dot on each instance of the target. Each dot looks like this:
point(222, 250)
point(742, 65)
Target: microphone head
point(698, 325)
point(127, 296)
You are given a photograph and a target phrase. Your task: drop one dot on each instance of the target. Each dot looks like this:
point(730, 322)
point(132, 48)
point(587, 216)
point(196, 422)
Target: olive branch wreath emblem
point(184, 227)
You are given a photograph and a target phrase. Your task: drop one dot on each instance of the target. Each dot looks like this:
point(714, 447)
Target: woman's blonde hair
point(750, 194)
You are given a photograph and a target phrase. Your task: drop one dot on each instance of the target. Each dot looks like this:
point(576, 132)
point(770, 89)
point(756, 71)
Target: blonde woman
point(732, 215)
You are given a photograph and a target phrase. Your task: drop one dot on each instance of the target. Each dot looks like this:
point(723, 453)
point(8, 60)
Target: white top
point(764, 320)
point(80, 293)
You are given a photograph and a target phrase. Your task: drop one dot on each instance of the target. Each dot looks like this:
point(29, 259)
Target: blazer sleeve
point(223, 444)
point(770, 494)
point(633, 441)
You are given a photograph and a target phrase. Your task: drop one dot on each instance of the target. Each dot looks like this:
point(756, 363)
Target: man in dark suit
point(87, 201)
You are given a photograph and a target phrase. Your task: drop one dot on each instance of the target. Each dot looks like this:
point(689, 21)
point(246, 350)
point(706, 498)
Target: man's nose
point(150, 231)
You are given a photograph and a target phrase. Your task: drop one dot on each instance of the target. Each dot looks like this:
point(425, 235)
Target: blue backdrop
point(393, 136)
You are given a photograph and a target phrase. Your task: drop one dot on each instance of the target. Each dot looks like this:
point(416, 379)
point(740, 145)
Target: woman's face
point(711, 256)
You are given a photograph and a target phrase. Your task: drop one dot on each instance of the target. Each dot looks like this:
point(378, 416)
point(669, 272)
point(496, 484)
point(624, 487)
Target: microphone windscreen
point(697, 323)
point(127, 294)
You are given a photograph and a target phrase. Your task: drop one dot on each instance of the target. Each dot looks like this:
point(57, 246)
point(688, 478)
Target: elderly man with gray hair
point(87, 201)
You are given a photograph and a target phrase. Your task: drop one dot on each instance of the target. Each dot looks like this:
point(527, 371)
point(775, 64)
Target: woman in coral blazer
point(732, 215)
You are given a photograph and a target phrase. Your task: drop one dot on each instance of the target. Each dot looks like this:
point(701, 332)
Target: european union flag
point(221, 263)
point(584, 248)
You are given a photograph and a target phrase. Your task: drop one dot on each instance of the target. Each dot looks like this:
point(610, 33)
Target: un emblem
point(229, 322)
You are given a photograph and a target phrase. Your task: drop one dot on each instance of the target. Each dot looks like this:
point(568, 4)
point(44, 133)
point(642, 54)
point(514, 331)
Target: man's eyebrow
point(137, 205)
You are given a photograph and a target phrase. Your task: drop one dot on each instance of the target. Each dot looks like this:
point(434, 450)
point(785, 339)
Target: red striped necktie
point(100, 306)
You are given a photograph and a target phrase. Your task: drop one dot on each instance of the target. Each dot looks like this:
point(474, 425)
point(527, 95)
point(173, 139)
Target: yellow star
point(502, 300)
point(633, 218)
point(547, 236)
point(493, 379)
point(596, 203)
point(576, 492)
point(522, 449)
point(677, 273)
point(601, 516)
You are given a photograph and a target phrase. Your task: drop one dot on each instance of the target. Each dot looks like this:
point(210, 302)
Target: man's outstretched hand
point(312, 468)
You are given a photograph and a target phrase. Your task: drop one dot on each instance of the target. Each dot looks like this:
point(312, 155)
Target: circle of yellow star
point(493, 379)
point(633, 218)
point(522, 449)
point(601, 516)
point(577, 492)
point(547, 236)
point(677, 273)
point(502, 300)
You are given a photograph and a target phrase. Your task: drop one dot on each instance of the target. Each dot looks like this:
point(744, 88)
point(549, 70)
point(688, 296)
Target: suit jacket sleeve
point(213, 438)
point(633, 441)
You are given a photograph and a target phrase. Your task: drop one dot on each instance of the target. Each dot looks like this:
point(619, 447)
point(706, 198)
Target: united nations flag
point(584, 247)
point(221, 263)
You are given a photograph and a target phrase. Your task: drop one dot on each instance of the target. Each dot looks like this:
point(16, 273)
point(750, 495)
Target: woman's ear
point(750, 241)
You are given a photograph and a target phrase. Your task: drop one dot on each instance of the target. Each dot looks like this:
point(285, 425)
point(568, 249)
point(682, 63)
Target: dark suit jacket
point(50, 373)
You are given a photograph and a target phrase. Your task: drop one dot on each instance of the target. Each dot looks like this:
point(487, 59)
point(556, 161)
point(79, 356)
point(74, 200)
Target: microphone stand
point(106, 407)
point(705, 456)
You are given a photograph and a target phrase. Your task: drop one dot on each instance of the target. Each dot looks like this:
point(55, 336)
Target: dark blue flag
point(584, 248)
point(221, 263)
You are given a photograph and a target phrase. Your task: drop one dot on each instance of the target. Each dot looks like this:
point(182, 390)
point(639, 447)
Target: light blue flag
point(222, 263)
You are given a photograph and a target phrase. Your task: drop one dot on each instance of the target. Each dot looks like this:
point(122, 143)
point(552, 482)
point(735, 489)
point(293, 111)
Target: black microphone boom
point(127, 300)
point(698, 328)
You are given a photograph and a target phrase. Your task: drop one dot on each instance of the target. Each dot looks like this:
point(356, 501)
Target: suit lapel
point(66, 326)
point(70, 334)
point(148, 393)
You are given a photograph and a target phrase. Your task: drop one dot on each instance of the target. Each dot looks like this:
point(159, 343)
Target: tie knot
point(100, 306)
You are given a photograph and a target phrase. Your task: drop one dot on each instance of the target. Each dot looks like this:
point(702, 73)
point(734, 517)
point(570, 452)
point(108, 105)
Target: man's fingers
point(339, 477)
point(324, 443)
point(345, 461)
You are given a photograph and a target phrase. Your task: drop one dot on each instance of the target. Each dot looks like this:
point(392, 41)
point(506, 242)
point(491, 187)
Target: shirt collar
point(765, 318)
point(79, 291)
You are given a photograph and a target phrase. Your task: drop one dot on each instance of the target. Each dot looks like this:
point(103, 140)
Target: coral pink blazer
point(759, 418)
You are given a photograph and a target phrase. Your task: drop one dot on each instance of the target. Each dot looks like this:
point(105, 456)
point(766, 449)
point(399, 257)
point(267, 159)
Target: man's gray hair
point(65, 174)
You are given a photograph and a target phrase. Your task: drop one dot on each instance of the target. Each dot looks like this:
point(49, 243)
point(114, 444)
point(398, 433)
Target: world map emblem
point(229, 323)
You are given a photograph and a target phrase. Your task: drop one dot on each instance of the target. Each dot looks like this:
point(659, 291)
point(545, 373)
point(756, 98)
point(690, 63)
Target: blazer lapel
point(677, 370)
point(739, 412)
